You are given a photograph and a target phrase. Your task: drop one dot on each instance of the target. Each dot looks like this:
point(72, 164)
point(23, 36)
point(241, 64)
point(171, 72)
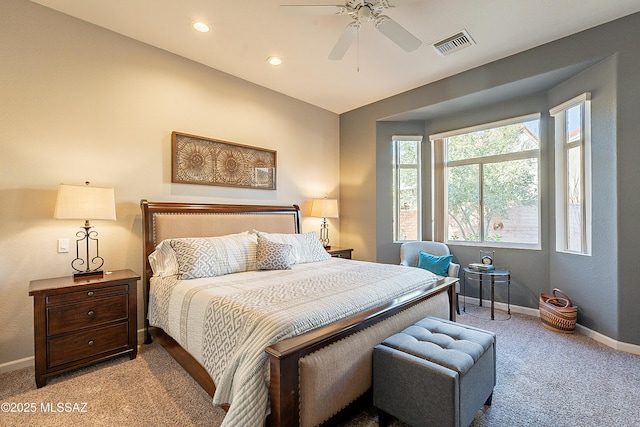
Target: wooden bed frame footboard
point(284, 356)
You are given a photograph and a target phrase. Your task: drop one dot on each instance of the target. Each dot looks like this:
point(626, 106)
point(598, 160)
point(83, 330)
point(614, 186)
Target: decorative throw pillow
point(272, 255)
point(305, 247)
point(438, 265)
point(215, 256)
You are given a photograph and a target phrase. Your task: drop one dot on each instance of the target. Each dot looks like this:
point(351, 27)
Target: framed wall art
point(207, 161)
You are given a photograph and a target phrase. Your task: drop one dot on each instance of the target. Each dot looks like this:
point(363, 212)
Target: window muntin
point(407, 215)
point(573, 175)
point(492, 179)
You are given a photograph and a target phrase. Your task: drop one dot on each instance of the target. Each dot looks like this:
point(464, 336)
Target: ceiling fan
point(361, 11)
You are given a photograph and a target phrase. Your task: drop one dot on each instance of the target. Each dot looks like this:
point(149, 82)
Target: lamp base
point(324, 234)
point(88, 275)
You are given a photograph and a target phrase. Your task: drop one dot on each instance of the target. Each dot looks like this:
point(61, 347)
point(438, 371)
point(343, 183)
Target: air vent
point(454, 43)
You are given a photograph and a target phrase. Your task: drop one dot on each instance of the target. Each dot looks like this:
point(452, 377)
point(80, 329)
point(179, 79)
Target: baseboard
point(582, 330)
point(603, 339)
point(14, 365)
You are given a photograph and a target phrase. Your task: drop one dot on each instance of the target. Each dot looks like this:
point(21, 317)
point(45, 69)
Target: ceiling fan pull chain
point(358, 52)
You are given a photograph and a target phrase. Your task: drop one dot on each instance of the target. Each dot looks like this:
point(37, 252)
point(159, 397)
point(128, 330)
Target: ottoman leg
point(384, 419)
point(488, 402)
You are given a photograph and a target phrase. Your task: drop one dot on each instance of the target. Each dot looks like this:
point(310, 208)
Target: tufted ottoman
point(434, 373)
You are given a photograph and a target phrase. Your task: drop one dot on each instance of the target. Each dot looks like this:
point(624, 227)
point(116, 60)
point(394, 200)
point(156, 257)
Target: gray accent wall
point(603, 60)
point(592, 281)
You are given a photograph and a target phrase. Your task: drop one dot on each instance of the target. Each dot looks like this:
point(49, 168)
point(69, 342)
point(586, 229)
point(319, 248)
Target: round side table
point(495, 276)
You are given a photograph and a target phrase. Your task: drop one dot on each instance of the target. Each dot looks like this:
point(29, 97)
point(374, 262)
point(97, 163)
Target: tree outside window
point(492, 184)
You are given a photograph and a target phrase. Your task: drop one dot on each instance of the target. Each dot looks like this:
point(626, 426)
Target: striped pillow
point(163, 260)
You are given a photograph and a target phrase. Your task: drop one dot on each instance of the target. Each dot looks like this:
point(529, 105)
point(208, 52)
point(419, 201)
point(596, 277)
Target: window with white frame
point(407, 215)
point(488, 184)
point(573, 174)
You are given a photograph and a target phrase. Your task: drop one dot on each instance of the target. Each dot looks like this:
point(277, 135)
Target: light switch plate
point(63, 246)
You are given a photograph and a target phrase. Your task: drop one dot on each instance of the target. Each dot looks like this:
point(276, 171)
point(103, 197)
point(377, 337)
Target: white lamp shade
point(324, 208)
point(84, 202)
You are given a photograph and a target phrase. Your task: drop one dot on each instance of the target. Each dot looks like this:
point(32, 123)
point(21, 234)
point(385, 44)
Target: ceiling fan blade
point(397, 33)
point(300, 9)
point(345, 40)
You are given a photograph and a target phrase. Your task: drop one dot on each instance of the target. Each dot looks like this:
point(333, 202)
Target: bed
point(315, 369)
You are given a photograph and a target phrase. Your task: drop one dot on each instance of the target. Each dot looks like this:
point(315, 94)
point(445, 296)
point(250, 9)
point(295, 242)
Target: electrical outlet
point(63, 246)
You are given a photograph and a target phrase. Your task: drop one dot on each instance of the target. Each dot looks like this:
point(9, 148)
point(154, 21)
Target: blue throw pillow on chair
point(436, 264)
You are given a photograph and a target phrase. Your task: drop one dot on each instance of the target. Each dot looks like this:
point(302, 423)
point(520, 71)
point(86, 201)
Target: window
point(489, 184)
point(573, 175)
point(407, 216)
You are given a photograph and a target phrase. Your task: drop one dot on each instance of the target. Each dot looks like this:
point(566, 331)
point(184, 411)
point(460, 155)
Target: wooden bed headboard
point(165, 220)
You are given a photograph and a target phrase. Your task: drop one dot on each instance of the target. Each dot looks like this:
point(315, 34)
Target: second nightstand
point(337, 252)
point(81, 322)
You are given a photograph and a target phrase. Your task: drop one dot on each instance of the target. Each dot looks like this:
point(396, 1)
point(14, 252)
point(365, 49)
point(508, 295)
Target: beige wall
point(81, 103)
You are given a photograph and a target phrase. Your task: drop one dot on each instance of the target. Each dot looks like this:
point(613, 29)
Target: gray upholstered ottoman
point(434, 373)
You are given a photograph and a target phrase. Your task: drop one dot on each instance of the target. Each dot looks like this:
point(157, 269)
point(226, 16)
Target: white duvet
point(226, 322)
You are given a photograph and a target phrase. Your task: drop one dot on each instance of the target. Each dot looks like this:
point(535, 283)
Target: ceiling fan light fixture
point(201, 27)
point(364, 14)
point(274, 60)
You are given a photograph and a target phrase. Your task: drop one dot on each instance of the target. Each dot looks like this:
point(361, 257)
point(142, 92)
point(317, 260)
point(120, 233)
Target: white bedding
point(226, 322)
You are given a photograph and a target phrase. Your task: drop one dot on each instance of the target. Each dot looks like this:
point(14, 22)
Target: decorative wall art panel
point(206, 161)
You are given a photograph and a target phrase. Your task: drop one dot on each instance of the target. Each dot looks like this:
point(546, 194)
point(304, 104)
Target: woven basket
point(558, 313)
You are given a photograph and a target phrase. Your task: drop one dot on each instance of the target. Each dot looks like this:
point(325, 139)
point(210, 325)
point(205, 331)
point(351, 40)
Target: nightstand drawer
point(89, 294)
point(78, 346)
point(65, 318)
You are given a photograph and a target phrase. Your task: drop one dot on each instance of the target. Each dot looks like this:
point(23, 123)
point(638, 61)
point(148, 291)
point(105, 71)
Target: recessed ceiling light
point(201, 26)
point(274, 60)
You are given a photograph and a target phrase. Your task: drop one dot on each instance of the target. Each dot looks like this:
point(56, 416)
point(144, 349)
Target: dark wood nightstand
point(337, 252)
point(83, 321)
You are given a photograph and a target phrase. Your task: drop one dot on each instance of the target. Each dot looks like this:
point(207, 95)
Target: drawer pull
point(90, 293)
point(90, 313)
point(90, 342)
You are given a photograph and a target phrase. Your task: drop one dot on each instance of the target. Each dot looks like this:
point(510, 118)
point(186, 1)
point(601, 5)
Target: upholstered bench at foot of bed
point(434, 373)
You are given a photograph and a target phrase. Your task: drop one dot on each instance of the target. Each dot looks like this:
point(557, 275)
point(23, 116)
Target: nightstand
point(337, 252)
point(83, 321)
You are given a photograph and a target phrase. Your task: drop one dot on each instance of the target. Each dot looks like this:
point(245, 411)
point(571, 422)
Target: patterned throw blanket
point(226, 322)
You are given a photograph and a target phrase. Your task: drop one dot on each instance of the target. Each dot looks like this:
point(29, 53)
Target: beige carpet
point(544, 379)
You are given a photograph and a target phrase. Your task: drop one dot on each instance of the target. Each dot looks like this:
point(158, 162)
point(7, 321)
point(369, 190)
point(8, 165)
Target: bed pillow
point(272, 255)
point(215, 256)
point(305, 247)
point(163, 260)
point(438, 265)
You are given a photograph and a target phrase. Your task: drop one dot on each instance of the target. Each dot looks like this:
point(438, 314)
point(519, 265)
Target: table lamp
point(324, 208)
point(87, 203)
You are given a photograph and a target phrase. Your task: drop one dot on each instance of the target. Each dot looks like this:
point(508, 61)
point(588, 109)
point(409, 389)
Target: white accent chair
point(410, 253)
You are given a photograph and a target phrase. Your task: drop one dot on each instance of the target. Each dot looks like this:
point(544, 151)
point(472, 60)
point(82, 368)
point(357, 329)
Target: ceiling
point(244, 33)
